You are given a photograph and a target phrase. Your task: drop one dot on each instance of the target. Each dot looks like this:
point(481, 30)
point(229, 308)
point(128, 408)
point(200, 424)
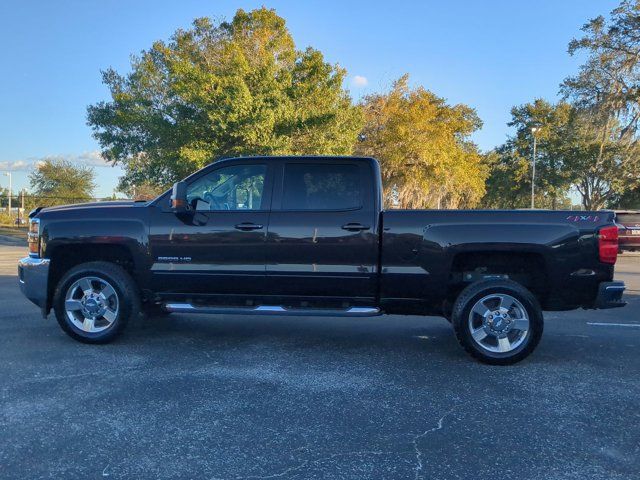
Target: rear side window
point(321, 187)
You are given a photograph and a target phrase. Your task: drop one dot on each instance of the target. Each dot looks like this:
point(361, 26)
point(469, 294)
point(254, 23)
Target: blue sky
point(489, 54)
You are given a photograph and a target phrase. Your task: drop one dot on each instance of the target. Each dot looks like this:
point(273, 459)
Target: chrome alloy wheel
point(91, 304)
point(498, 323)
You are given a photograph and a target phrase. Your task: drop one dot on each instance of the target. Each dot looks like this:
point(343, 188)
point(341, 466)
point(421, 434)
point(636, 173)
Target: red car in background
point(629, 232)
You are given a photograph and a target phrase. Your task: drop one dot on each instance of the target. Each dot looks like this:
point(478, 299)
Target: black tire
point(125, 289)
point(477, 291)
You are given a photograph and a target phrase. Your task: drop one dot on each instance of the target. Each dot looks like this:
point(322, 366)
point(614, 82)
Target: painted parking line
point(637, 325)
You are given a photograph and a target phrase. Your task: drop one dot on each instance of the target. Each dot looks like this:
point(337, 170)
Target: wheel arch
point(527, 267)
point(64, 257)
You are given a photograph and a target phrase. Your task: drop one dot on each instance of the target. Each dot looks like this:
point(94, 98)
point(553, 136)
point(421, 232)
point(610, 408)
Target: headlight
point(33, 237)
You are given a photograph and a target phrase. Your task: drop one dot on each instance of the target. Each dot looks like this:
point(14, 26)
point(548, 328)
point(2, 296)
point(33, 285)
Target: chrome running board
point(273, 310)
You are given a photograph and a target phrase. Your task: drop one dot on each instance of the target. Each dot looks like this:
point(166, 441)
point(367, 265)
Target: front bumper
point(33, 276)
point(610, 295)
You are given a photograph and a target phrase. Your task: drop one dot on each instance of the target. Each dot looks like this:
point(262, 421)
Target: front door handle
point(354, 227)
point(247, 226)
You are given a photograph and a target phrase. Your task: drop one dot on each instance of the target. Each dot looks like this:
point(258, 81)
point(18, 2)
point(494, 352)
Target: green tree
point(146, 191)
point(628, 200)
point(56, 182)
point(222, 89)
point(509, 183)
point(426, 157)
point(4, 197)
point(603, 167)
point(605, 156)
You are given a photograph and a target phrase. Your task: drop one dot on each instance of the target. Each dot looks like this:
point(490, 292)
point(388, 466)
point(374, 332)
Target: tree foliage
point(222, 89)
point(426, 157)
point(55, 182)
point(588, 141)
point(630, 199)
point(509, 183)
point(606, 93)
point(602, 165)
point(146, 191)
point(4, 198)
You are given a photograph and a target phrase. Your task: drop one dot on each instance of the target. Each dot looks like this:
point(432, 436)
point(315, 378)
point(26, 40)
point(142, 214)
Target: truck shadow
point(569, 336)
point(291, 332)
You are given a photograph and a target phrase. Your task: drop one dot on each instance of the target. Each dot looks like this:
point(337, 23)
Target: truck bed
point(425, 251)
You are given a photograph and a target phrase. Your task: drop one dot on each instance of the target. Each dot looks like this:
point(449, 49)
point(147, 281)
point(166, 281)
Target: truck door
point(322, 238)
point(219, 247)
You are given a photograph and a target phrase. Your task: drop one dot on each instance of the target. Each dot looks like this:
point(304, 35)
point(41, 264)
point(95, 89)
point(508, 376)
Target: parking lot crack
point(416, 438)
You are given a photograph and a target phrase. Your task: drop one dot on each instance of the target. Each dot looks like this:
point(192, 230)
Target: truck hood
point(89, 206)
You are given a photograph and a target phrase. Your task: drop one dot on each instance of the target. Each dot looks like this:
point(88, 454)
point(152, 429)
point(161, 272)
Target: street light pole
point(534, 130)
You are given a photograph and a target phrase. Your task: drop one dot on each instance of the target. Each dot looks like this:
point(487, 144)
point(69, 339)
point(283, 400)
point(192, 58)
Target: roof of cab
point(318, 158)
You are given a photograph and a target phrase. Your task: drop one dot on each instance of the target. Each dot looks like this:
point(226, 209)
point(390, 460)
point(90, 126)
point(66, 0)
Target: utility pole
point(534, 130)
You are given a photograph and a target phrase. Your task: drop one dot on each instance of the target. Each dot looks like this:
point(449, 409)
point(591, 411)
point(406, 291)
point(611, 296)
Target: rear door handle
point(247, 226)
point(354, 227)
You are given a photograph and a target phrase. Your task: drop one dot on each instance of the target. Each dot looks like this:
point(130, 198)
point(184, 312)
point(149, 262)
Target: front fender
point(133, 234)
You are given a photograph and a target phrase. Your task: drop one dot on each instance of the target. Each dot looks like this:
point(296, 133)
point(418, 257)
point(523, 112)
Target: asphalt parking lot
point(309, 398)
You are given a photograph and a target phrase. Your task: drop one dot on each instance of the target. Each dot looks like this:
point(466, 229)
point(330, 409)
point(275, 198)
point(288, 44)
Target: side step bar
point(273, 310)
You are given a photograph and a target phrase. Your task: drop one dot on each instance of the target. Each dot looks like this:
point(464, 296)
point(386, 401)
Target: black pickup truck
point(308, 236)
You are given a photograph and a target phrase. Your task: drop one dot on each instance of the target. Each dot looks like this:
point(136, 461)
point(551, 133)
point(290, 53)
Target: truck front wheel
point(94, 301)
point(497, 321)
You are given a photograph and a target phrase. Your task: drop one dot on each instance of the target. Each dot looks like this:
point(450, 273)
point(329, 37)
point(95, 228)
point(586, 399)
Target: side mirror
point(179, 197)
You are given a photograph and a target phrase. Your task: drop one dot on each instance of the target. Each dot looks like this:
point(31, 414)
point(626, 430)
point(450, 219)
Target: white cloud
point(359, 81)
point(18, 165)
point(90, 158)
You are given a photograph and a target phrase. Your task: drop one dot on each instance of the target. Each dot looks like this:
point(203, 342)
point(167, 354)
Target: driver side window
point(237, 187)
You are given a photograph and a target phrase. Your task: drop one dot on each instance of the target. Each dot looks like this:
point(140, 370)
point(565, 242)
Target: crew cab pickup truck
point(308, 236)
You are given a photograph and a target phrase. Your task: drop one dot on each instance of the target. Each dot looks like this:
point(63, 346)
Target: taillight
point(33, 237)
point(608, 244)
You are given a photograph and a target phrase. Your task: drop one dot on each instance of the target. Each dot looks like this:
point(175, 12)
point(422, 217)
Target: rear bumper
point(33, 275)
point(610, 295)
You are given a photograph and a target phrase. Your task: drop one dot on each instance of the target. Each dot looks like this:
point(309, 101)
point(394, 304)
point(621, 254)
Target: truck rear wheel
point(498, 322)
point(95, 301)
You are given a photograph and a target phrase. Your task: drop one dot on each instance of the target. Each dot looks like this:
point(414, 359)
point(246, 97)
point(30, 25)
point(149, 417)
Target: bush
point(6, 219)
